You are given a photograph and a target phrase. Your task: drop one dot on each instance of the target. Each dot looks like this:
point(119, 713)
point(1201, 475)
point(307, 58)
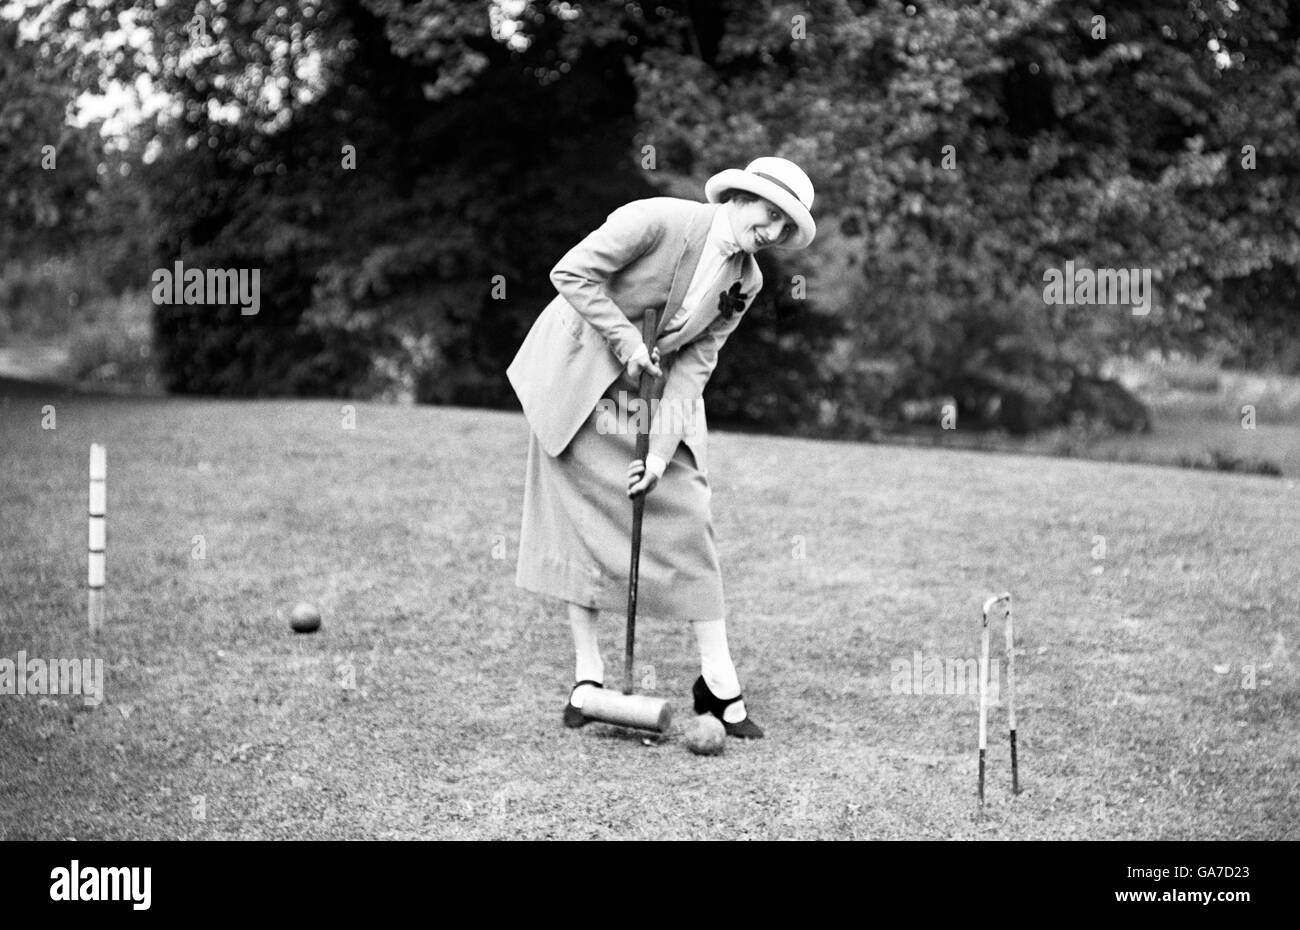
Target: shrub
point(1221, 460)
point(116, 346)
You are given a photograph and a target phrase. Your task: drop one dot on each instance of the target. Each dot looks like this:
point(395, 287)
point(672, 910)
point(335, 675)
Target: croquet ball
point(705, 735)
point(305, 618)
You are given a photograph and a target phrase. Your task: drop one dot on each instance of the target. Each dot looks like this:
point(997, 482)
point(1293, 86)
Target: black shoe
point(573, 716)
point(706, 703)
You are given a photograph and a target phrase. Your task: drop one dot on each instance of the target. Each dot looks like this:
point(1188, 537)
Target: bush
point(44, 300)
point(1108, 404)
point(116, 346)
point(1220, 460)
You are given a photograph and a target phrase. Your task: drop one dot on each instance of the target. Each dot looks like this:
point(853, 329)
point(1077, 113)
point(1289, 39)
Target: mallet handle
point(649, 330)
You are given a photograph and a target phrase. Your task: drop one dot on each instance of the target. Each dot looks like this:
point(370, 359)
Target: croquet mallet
point(603, 704)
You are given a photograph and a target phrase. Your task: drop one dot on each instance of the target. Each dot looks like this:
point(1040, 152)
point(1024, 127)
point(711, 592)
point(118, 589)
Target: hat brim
point(735, 179)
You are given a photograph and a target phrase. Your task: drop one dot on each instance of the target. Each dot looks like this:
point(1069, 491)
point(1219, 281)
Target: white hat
point(776, 179)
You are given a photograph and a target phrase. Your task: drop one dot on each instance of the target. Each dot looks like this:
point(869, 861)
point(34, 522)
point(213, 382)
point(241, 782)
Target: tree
point(960, 152)
point(969, 148)
point(47, 168)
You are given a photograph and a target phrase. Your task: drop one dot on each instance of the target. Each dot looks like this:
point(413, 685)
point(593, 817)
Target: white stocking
point(586, 646)
point(716, 666)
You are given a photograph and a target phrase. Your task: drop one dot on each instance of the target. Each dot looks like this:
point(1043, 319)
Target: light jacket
point(644, 255)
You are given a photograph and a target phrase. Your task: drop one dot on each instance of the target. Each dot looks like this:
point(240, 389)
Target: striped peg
point(98, 535)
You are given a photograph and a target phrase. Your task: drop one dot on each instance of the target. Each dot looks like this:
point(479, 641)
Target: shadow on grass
point(624, 735)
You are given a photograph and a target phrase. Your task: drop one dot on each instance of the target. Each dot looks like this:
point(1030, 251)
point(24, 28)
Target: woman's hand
point(639, 480)
point(643, 361)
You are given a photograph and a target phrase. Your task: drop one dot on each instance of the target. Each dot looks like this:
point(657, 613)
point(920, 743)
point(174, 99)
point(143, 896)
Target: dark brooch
point(731, 302)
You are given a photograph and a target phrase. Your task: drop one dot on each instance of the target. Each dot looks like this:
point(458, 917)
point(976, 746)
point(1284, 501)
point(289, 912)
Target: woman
point(578, 367)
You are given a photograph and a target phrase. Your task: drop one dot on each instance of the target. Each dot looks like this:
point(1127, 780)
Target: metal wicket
point(1004, 598)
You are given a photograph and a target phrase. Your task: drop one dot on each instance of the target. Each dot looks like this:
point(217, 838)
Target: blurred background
point(405, 174)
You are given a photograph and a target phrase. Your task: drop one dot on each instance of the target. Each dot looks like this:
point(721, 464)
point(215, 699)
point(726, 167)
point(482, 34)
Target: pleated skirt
point(575, 540)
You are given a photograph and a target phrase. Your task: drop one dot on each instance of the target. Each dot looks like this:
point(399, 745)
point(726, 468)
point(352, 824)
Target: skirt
point(575, 542)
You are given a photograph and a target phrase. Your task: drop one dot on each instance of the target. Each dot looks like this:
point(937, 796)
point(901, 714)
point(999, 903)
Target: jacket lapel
point(697, 230)
point(732, 271)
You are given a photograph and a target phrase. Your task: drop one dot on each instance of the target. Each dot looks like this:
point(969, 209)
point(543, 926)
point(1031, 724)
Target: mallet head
point(639, 711)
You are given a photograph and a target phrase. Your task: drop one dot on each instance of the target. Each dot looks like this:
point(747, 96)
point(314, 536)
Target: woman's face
point(759, 224)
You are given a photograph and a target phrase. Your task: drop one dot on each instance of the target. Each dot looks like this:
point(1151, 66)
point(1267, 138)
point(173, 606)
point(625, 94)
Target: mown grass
point(1133, 718)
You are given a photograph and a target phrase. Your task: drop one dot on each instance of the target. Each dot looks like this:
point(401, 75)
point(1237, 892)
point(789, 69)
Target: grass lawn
point(1157, 686)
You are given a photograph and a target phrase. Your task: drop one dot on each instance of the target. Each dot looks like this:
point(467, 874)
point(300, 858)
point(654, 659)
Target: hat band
point(781, 184)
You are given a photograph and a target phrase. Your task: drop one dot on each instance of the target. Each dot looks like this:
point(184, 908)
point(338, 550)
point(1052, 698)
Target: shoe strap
point(586, 681)
point(722, 710)
point(719, 704)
